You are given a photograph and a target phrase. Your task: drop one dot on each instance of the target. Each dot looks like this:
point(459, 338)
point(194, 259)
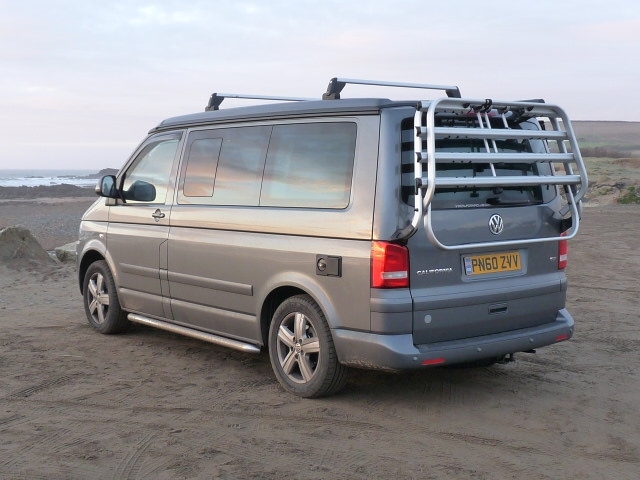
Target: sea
point(35, 178)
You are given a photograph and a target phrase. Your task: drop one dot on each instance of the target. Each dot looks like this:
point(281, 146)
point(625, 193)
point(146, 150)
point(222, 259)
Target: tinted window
point(201, 166)
point(474, 197)
point(241, 165)
point(224, 166)
point(309, 165)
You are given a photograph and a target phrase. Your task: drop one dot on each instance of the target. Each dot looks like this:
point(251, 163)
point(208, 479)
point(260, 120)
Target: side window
point(241, 165)
point(148, 177)
point(224, 166)
point(202, 161)
point(309, 165)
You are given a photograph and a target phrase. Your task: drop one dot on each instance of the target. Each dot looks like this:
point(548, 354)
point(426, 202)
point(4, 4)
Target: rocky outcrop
point(102, 173)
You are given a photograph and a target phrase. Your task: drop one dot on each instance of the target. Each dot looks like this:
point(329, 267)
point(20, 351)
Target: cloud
point(106, 72)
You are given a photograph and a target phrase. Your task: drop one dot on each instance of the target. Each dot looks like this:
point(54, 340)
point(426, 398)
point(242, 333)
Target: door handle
point(157, 215)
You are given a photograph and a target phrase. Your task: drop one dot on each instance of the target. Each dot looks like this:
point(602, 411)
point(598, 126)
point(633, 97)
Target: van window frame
point(217, 131)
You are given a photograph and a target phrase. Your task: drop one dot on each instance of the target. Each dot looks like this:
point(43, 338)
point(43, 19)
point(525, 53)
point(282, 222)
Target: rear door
point(469, 292)
point(211, 270)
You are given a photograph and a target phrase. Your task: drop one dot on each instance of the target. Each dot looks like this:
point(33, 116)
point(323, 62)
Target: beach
point(52, 221)
point(149, 404)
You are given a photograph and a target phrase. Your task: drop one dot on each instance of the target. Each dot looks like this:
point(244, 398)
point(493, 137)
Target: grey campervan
point(341, 233)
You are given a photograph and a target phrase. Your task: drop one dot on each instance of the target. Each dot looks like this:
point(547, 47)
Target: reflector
point(433, 361)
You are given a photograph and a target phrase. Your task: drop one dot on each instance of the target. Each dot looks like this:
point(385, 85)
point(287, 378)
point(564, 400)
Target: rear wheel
point(101, 303)
point(301, 350)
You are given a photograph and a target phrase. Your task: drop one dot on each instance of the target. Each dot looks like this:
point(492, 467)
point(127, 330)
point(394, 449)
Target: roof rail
point(337, 84)
point(216, 99)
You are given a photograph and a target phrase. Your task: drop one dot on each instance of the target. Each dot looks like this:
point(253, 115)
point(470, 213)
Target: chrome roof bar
point(337, 84)
point(216, 99)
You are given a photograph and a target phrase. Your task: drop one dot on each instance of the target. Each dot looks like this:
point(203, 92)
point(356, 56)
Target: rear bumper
point(397, 352)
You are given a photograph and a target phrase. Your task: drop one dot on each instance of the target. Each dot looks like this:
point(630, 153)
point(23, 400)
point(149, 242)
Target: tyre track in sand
point(152, 405)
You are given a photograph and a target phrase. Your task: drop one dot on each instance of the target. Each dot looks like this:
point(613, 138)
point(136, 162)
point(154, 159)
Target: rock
point(66, 253)
point(19, 249)
point(102, 173)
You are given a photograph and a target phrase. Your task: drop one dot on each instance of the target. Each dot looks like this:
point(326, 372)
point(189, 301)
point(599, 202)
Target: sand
point(52, 221)
point(148, 404)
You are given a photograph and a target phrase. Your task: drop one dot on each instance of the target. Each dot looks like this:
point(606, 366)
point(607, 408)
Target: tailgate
point(471, 292)
point(495, 188)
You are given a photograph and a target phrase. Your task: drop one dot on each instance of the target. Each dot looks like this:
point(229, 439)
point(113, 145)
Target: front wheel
point(301, 350)
point(101, 303)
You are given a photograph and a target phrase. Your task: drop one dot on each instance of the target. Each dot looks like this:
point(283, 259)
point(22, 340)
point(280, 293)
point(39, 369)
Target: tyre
point(301, 350)
point(101, 303)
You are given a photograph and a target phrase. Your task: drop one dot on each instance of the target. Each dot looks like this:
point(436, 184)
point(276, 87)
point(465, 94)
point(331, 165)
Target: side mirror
point(141, 191)
point(106, 187)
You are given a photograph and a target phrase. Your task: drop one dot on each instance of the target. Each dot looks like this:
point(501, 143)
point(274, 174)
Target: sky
point(83, 81)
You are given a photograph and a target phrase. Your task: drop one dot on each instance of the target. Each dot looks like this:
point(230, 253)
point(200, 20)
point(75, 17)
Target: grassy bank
point(612, 154)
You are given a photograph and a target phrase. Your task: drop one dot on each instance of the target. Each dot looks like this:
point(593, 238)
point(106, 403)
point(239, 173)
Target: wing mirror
point(139, 190)
point(106, 187)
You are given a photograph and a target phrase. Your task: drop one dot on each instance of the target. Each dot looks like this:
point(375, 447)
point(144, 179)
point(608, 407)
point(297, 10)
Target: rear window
point(474, 197)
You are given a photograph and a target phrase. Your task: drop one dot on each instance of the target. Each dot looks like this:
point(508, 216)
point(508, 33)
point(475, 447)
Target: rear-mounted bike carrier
point(557, 131)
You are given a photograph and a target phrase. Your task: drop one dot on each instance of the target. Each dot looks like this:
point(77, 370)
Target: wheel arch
point(289, 286)
point(270, 304)
point(89, 257)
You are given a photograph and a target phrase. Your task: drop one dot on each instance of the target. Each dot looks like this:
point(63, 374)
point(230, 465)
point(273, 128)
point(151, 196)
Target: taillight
point(563, 252)
point(389, 265)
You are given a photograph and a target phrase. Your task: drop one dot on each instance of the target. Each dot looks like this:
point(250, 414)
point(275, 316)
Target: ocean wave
point(38, 178)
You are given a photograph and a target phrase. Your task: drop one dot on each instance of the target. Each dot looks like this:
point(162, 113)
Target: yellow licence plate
point(492, 263)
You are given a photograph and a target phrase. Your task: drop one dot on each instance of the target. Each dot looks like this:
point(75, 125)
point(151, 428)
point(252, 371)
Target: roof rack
point(333, 91)
point(337, 84)
point(216, 99)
